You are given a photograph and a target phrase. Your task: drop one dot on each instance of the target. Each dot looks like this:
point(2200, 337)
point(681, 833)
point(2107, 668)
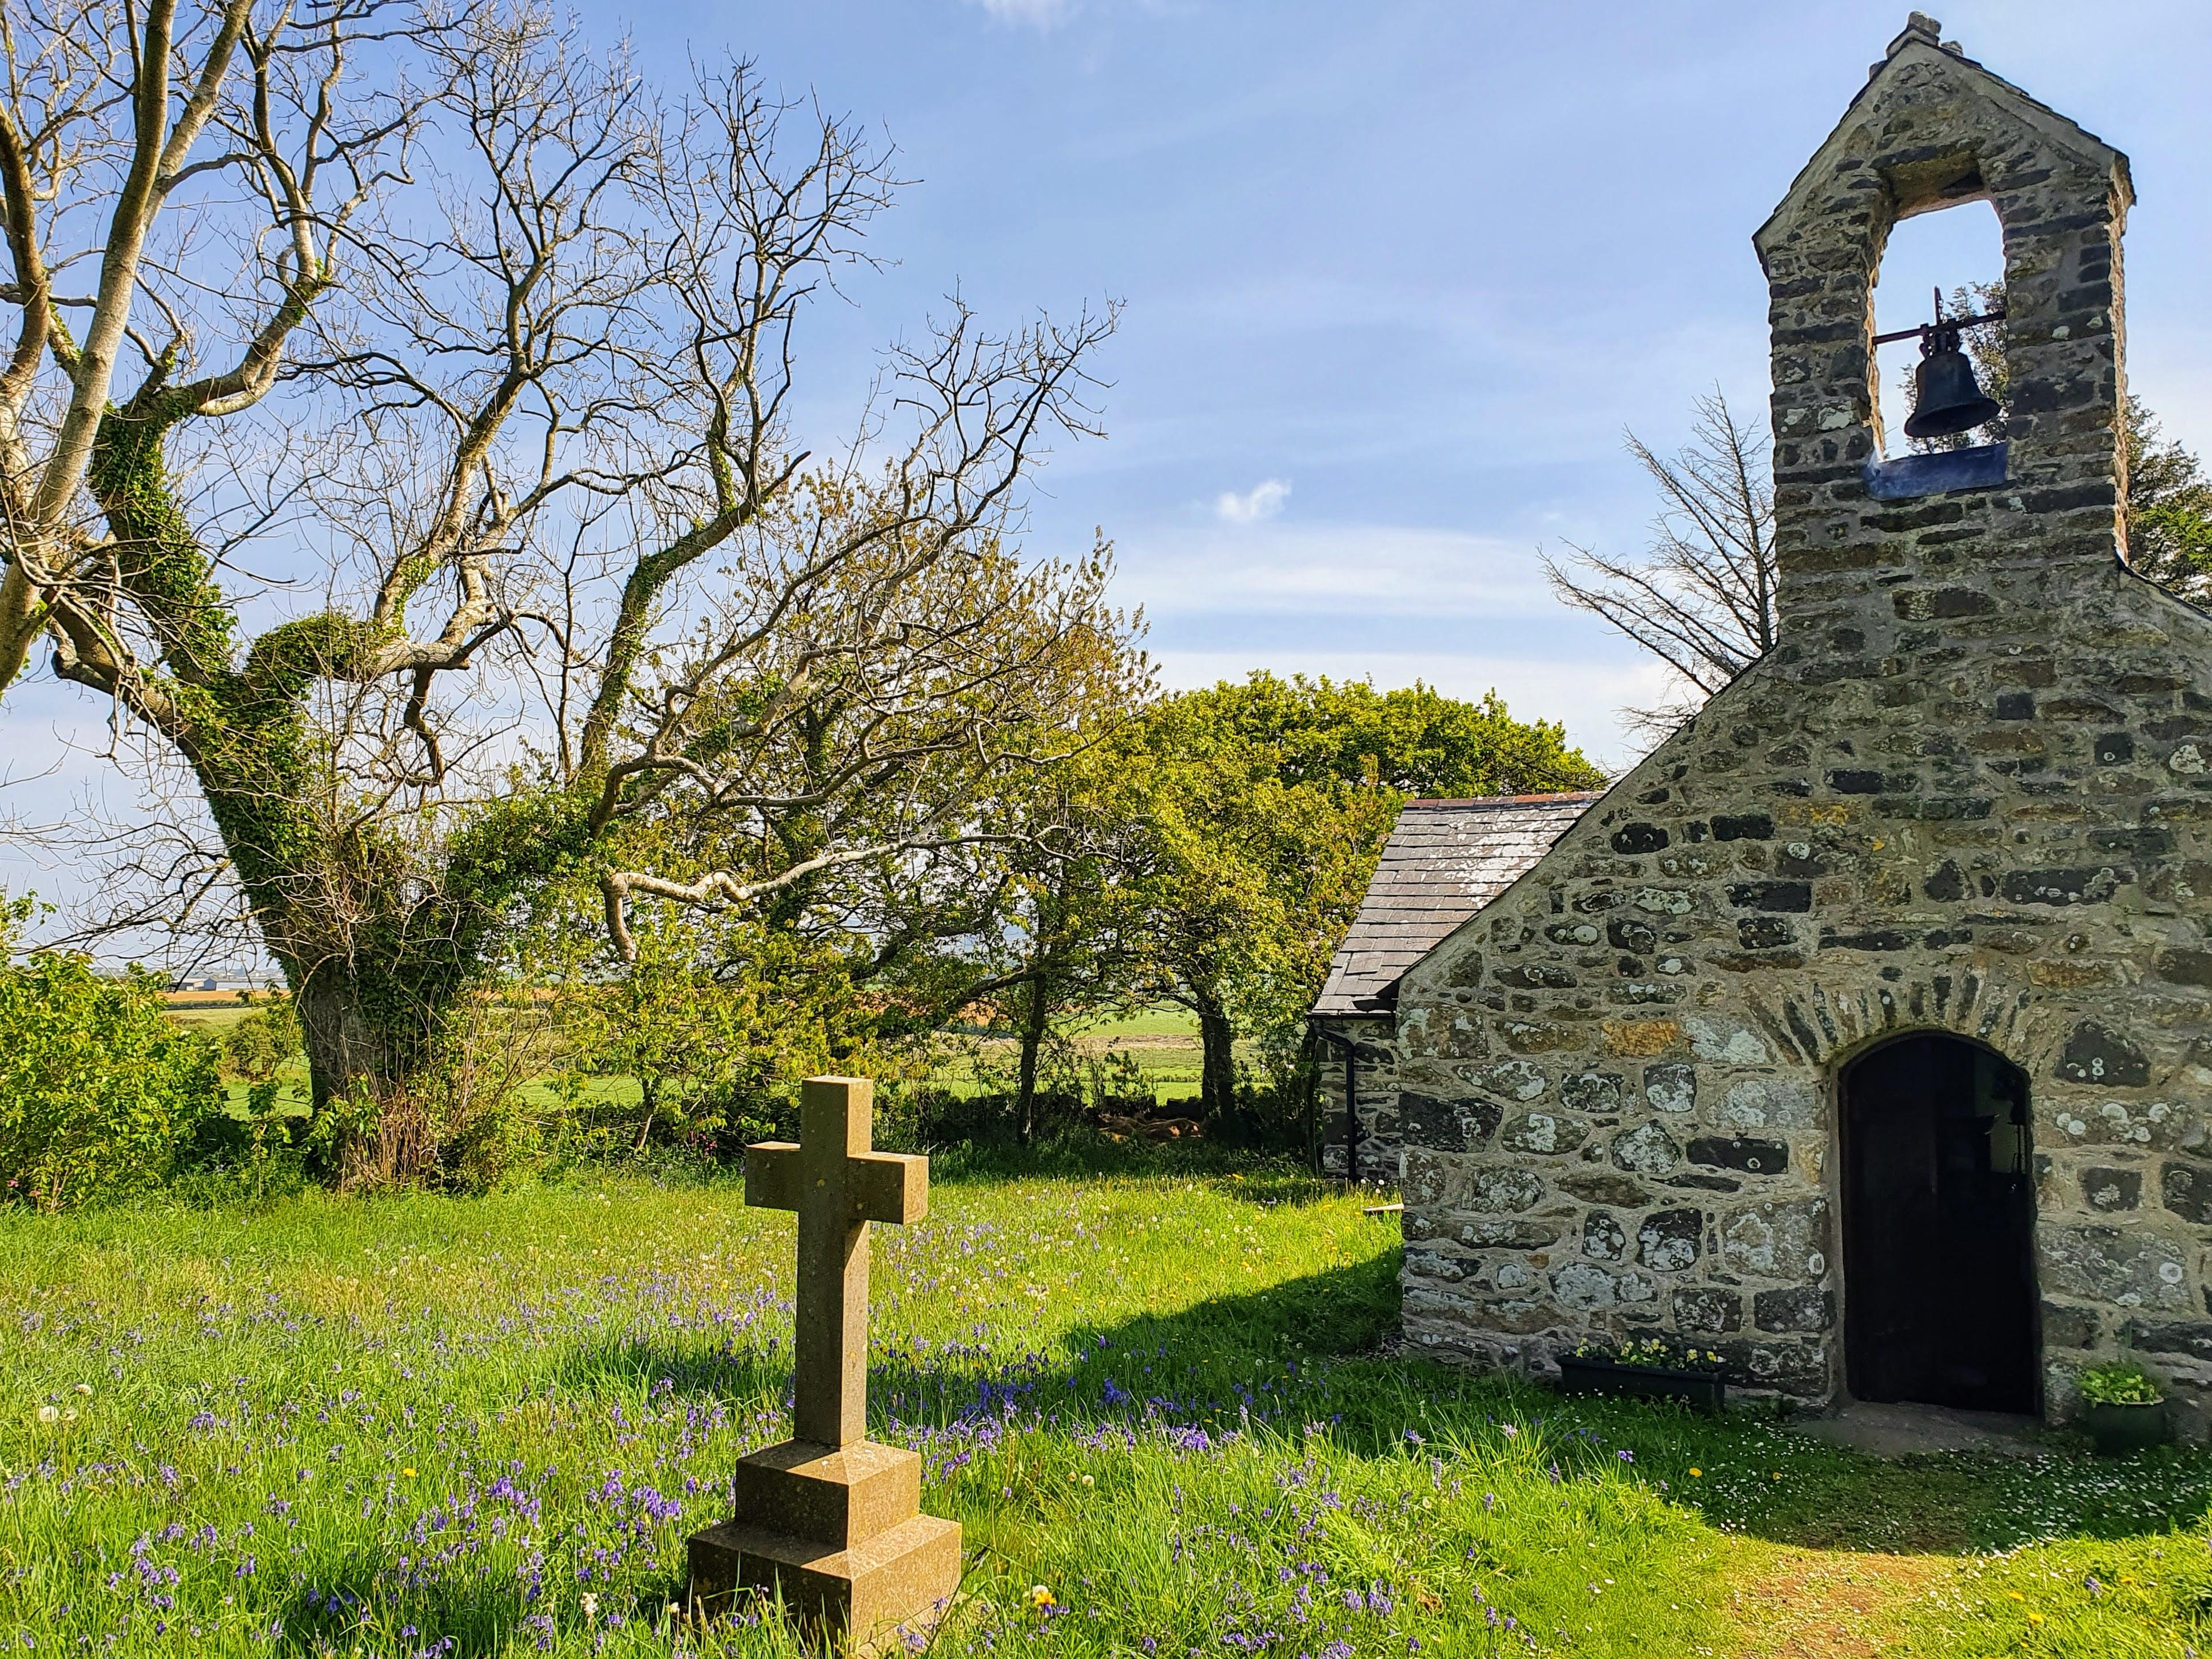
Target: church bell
point(1947, 399)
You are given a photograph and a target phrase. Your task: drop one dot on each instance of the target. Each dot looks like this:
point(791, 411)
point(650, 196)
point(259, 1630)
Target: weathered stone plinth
point(839, 1537)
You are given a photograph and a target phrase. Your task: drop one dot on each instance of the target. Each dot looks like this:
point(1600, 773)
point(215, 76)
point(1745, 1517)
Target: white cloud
point(1332, 569)
point(1394, 603)
point(1262, 500)
point(1040, 14)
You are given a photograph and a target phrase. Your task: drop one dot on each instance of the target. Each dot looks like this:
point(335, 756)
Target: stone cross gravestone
point(829, 1520)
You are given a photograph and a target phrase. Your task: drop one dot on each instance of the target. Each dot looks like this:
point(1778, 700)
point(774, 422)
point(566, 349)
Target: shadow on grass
point(1194, 1364)
point(1080, 1154)
point(426, 1604)
point(1306, 1351)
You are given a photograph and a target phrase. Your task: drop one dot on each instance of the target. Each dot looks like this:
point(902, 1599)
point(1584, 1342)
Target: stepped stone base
point(839, 1537)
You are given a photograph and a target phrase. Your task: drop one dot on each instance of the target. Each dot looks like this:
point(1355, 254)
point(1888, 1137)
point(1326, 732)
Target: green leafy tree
point(1070, 940)
point(1265, 807)
point(2169, 508)
point(966, 868)
point(100, 1093)
point(714, 1017)
point(1414, 740)
point(264, 1040)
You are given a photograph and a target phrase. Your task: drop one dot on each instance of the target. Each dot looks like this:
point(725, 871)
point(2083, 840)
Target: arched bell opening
point(1938, 1211)
point(1940, 390)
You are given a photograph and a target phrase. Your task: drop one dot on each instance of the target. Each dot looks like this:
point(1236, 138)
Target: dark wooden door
point(1939, 1218)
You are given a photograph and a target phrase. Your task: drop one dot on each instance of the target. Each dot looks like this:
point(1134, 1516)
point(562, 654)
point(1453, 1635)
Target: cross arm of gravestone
point(838, 1183)
point(877, 1186)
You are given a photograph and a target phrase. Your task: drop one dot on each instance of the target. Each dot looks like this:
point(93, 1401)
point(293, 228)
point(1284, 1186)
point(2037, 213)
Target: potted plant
point(1649, 1368)
point(2126, 1410)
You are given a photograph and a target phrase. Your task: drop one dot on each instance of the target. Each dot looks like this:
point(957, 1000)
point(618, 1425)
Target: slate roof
point(1444, 861)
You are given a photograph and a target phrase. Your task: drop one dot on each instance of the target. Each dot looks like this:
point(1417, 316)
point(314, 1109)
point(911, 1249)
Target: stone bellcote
point(1932, 129)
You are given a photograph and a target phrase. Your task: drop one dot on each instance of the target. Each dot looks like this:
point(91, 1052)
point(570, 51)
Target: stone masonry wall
point(1971, 792)
point(1376, 1083)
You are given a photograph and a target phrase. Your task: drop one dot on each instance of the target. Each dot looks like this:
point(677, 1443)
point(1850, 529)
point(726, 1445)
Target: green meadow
point(1162, 1404)
point(1152, 1050)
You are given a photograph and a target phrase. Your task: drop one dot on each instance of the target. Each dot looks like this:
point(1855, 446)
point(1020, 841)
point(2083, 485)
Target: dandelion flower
point(1038, 1597)
point(1697, 1475)
point(409, 1473)
point(49, 1413)
point(2015, 1596)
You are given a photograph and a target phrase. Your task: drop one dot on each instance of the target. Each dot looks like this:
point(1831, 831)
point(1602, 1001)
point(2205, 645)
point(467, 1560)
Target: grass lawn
point(428, 1426)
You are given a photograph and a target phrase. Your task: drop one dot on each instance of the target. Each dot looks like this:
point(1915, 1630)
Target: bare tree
point(1701, 596)
point(490, 354)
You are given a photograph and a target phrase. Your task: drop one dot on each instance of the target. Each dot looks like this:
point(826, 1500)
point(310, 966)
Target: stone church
point(1863, 1031)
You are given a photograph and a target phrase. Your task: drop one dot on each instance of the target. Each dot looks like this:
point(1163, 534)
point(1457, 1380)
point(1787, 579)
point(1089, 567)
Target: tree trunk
point(1033, 1028)
point(367, 1053)
point(1217, 1081)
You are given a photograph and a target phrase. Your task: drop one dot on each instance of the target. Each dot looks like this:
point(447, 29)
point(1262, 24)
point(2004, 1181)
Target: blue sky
point(1398, 275)
point(1396, 278)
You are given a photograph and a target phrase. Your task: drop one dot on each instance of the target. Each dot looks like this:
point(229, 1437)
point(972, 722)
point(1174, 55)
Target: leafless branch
point(1701, 596)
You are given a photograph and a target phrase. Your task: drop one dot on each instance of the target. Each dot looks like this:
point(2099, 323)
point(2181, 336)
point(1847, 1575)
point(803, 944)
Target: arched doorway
point(1938, 1227)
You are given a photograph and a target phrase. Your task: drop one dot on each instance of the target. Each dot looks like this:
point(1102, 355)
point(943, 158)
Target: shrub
point(2119, 1385)
point(259, 1044)
point(100, 1093)
point(245, 1154)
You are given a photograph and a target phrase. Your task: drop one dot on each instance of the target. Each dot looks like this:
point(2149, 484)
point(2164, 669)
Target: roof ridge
point(1503, 800)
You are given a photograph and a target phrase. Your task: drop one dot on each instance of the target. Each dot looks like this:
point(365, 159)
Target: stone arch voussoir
point(1822, 1022)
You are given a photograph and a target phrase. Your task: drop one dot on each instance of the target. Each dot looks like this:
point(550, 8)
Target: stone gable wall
point(1971, 792)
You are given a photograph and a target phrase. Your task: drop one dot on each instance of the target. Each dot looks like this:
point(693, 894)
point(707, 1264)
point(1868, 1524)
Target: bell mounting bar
point(1941, 322)
point(1951, 323)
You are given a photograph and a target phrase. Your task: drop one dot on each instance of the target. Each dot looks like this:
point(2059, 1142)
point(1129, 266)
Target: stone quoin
point(1863, 1031)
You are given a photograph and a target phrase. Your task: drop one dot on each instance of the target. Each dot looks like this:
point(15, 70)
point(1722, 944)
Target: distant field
point(1162, 1043)
point(1165, 1022)
point(207, 1016)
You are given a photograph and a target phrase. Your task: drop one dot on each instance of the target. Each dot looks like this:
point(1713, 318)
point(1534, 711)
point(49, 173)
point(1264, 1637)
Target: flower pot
point(1581, 1374)
point(2118, 1429)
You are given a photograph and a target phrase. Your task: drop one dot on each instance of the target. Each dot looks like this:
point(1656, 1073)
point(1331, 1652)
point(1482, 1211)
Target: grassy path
point(431, 1426)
